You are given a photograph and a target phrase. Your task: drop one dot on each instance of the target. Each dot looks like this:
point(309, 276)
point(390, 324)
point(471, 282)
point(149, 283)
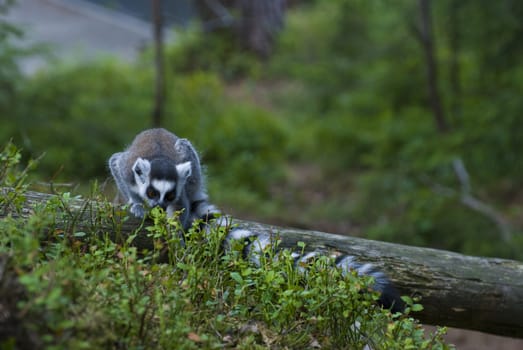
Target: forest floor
point(470, 340)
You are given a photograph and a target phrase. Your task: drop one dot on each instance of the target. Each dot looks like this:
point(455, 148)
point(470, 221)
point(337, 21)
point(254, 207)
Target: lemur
point(161, 169)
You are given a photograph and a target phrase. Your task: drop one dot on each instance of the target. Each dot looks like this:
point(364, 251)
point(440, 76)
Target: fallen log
point(477, 293)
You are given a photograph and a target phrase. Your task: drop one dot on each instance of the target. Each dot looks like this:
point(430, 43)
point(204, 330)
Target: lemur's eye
point(152, 193)
point(170, 196)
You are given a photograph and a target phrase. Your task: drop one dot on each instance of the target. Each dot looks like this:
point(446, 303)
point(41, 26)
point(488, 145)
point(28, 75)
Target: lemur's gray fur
point(161, 169)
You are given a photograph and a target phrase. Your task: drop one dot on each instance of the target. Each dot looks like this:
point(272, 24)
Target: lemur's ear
point(141, 169)
point(184, 170)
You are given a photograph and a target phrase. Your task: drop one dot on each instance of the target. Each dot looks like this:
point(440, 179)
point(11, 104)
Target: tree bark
point(484, 294)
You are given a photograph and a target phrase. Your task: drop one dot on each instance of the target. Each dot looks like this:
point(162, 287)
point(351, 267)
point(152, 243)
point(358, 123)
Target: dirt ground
point(470, 340)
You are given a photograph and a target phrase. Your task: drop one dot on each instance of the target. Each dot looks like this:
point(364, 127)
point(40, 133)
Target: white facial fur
point(163, 186)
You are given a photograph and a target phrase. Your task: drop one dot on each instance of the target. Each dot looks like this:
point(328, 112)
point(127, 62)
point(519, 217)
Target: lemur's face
point(160, 193)
point(160, 183)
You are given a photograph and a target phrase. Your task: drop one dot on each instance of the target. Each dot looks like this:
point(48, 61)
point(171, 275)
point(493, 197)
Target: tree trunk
point(484, 294)
point(260, 23)
point(254, 23)
point(454, 64)
point(427, 41)
point(159, 86)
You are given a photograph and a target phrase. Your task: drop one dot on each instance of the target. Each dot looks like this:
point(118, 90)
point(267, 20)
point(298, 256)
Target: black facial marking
point(170, 196)
point(152, 193)
point(163, 169)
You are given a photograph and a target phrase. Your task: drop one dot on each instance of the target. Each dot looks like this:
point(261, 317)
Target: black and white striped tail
point(257, 244)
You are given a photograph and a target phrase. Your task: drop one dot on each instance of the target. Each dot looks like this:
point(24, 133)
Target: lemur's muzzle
point(163, 206)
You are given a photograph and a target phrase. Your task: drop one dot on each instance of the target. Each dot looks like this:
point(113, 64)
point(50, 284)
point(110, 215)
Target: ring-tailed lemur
point(160, 169)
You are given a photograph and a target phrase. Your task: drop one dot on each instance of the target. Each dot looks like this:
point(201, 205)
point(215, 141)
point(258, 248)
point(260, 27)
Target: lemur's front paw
point(137, 210)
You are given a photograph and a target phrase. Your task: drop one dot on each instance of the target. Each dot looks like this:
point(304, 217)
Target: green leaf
point(237, 277)
point(416, 307)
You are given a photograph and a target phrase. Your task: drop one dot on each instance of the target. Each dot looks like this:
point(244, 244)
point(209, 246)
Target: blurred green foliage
point(79, 115)
point(9, 53)
point(212, 52)
point(362, 73)
point(347, 92)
